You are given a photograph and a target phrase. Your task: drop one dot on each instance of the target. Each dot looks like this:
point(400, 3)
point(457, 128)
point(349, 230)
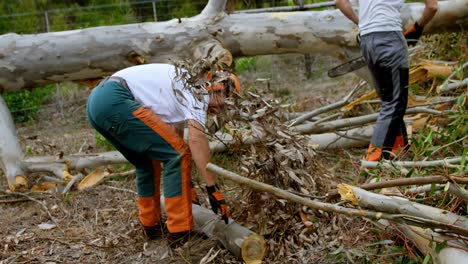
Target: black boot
point(153, 232)
point(178, 239)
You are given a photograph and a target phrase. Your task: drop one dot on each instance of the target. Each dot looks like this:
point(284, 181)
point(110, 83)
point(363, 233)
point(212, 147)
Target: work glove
point(217, 202)
point(413, 34)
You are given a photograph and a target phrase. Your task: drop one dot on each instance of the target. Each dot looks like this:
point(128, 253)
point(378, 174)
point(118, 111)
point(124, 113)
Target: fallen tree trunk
point(28, 61)
point(240, 241)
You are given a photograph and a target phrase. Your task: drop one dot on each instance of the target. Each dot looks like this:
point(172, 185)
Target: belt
point(119, 80)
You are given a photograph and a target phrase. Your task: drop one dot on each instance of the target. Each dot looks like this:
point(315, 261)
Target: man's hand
point(218, 202)
point(413, 34)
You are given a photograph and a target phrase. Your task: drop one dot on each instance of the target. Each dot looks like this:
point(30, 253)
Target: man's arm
point(347, 9)
point(429, 12)
point(413, 34)
point(200, 149)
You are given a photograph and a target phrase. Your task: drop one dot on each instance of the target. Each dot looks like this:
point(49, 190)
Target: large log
point(38, 59)
point(239, 240)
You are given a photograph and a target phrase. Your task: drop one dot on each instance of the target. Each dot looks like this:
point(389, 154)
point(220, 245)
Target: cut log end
point(347, 193)
point(253, 249)
point(20, 184)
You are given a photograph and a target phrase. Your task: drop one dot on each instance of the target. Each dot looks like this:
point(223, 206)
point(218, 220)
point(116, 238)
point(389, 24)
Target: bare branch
point(398, 218)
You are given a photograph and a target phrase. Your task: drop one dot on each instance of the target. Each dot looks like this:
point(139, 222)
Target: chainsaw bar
point(350, 66)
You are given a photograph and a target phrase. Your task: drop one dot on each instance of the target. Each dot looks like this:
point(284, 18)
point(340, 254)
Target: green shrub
point(246, 64)
point(25, 104)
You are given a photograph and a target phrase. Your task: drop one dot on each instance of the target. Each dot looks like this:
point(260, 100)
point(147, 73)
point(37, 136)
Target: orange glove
point(218, 202)
point(413, 34)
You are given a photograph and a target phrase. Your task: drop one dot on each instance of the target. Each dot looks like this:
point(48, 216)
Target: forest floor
point(99, 225)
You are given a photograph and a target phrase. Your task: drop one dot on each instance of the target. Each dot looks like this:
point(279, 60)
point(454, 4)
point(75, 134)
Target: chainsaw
point(350, 66)
point(354, 64)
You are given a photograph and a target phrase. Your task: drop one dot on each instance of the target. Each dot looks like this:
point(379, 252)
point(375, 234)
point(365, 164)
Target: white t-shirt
point(379, 15)
point(153, 86)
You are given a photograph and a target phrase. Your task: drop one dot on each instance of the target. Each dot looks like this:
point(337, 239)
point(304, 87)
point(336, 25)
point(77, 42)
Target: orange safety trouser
point(176, 175)
point(145, 141)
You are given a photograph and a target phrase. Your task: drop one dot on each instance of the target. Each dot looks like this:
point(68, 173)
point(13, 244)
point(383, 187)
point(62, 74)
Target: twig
point(14, 201)
point(406, 182)
point(411, 164)
point(76, 178)
point(120, 189)
point(445, 83)
point(424, 188)
point(457, 191)
point(453, 86)
point(330, 117)
point(353, 121)
point(299, 120)
point(444, 146)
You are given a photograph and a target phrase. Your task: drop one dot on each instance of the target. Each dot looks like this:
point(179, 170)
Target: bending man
point(142, 111)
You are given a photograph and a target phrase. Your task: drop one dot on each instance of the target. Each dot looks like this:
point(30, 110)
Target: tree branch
point(398, 218)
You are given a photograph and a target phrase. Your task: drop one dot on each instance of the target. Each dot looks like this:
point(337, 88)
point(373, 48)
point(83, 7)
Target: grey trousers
point(386, 54)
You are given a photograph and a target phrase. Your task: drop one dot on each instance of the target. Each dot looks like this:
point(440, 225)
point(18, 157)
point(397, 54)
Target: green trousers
point(145, 141)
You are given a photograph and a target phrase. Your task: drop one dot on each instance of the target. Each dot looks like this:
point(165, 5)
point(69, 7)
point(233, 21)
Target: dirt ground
point(100, 225)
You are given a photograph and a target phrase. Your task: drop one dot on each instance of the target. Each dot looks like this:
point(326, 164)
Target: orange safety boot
point(399, 145)
point(373, 153)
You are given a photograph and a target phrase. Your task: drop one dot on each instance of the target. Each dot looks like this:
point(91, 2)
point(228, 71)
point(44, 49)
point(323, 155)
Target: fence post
point(301, 4)
point(58, 92)
point(155, 15)
point(46, 17)
point(308, 65)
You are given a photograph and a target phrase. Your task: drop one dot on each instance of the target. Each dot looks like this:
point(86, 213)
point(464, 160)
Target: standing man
point(142, 111)
point(384, 47)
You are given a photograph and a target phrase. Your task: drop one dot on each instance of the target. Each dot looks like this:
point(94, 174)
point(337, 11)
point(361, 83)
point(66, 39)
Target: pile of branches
point(283, 153)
